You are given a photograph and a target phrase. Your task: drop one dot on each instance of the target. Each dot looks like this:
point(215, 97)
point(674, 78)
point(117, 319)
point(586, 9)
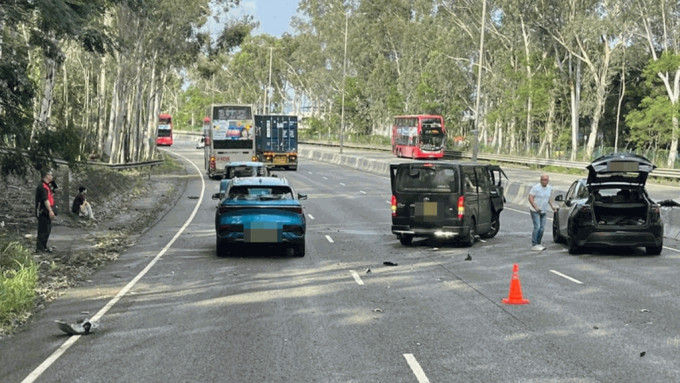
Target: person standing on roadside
point(539, 201)
point(44, 203)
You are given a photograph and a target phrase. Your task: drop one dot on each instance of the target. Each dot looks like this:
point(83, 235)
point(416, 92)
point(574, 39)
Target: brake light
point(461, 207)
point(394, 206)
point(428, 165)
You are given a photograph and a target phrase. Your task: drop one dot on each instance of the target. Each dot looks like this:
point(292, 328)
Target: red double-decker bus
point(418, 136)
point(164, 131)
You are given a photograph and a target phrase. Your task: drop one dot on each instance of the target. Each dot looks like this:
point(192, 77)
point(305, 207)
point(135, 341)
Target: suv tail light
point(461, 207)
point(394, 206)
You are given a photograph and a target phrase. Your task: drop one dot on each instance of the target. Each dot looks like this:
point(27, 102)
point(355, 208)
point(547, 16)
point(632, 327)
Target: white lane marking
point(671, 249)
point(342, 184)
point(324, 177)
point(35, 374)
point(328, 237)
point(309, 172)
point(415, 367)
point(357, 278)
point(362, 192)
point(310, 216)
point(566, 277)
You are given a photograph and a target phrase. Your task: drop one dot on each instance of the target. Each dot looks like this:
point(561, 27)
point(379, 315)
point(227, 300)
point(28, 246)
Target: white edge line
point(328, 237)
point(566, 277)
point(357, 278)
point(35, 374)
point(415, 367)
point(310, 216)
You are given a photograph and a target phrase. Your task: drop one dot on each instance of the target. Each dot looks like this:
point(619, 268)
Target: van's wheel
point(495, 226)
point(653, 250)
point(405, 239)
point(472, 233)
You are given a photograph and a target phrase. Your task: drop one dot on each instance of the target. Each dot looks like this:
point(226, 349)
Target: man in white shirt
point(539, 201)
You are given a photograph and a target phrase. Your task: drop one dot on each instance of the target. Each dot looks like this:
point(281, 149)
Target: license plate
point(280, 160)
point(222, 159)
point(262, 232)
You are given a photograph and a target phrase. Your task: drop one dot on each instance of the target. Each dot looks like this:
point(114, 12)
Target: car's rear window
point(260, 192)
point(427, 179)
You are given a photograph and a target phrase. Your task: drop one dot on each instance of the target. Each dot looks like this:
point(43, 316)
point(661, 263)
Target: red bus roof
point(420, 116)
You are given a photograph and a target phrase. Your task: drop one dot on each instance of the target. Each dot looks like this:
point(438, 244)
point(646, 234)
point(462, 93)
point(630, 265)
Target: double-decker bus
point(418, 136)
point(231, 137)
point(164, 130)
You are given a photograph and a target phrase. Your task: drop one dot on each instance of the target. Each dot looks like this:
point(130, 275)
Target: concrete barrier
point(515, 192)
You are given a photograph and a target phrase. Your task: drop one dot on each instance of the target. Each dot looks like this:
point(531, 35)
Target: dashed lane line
point(357, 278)
point(329, 239)
point(566, 277)
point(415, 367)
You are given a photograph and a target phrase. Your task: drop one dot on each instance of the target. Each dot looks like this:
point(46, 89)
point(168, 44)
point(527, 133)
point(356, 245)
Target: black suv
point(446, 200)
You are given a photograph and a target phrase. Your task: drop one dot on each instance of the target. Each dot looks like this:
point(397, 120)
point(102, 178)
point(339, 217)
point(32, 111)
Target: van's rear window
point(420, 179)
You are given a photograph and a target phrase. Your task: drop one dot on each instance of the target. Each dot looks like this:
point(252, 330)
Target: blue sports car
point(260, 210)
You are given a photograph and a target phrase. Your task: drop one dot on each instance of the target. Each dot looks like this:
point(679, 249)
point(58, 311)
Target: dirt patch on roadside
point(125, 204)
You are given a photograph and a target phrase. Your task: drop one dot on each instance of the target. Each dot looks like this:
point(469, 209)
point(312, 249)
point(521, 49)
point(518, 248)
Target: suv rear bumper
point(435, 232)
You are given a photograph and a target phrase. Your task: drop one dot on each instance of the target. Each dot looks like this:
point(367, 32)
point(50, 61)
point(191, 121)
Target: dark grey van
point(446, 200)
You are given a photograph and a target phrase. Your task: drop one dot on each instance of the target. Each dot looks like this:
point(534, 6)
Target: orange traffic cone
point(515, 295)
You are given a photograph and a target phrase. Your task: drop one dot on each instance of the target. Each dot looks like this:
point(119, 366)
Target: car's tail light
point(461, 207)
point(230, 228)
point(393, 206)
point(295, 229)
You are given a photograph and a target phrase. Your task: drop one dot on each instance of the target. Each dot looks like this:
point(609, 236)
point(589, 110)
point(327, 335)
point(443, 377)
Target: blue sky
point(274, 15)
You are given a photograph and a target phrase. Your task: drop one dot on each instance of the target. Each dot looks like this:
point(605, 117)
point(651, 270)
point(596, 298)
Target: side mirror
point(216, 195)
point(302, 196)
point(559, 198)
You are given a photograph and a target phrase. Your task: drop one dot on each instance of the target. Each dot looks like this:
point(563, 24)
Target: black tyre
point(220, 247)
point(299, 250)
point(653, 250)
point(405, 239)
point(469, 239)
point(495, 226)
point(557, 238)
point(574, 249)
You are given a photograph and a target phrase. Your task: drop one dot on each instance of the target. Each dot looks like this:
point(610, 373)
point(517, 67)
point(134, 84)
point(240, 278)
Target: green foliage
point(18, 280)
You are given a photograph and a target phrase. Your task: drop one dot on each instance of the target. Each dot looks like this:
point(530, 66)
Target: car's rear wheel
point(573, 247)
point(405, 239)
point(299, 250)
point(495, 226)
point(469, 239)
point(220, 247)
point(653, 250)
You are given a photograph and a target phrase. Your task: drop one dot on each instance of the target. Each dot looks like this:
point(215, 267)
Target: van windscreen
point(427, 179)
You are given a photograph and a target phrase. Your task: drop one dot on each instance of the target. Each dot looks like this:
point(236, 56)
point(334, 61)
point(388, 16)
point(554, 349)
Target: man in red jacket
point(44, 203)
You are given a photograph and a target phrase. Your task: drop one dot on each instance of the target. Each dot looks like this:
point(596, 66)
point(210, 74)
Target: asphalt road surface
point(170, 310)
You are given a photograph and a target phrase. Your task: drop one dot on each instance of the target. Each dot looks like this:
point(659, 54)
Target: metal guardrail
point(672, 174)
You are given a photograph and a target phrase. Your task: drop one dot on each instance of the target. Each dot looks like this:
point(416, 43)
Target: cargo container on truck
point(276, 140)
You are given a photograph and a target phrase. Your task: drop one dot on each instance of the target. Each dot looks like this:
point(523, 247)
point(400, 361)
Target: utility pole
point(475, 133)
point(344, 65)
point(271, 49)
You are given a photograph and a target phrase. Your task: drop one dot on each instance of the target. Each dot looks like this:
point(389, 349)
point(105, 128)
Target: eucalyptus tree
point(660, 23)
point(31, 53)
